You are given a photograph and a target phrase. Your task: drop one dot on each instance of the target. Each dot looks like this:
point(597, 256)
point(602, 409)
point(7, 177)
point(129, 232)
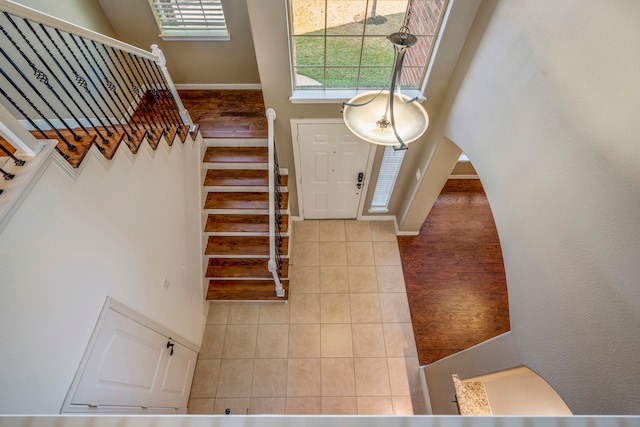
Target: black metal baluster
point(83, 81)
point(136, 91)
point(39, 72)
point(80, 81)
point(145, 97)
point(168, 96)
point(6, 174)
point(64, 87)
point(70, 146)
point(154, 92)
point(16, 160)
point(107, 89)
point(135, 114)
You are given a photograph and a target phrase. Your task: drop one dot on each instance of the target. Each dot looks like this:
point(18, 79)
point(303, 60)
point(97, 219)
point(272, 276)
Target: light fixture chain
point(408, 16)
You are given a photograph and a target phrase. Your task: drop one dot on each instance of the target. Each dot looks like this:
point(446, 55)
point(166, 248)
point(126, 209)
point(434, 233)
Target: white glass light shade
point(411, 119)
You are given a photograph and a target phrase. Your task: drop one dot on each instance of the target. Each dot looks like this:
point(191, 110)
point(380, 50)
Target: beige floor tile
point(273, 313)
point(237, 406)
point(336, 340)
point(304, 340)
point(338, 376)
point(372, 377)
point(212, 342)
point(243, 313)
point(305, 254)
point(390, 278)
point(267, 405)
point(269, 378)
point(357, 231)
point(399, 376)
point(236, 376)
point(339, 405)
point(304, 308)
point(375, 406)
point(333, 253)
point(360, 253)
point(205, 378)
point(368, 340)
point(200, 406)
point(383, 231)
point(334, 279)
point(218, 313)
point(335, 308)
point(304, 280)
point(331, 230)
point(272, 341)
point(402, 405)
point(362, 279)
point(386, 253)
point(399, 340)
point(303, 378)
point(305, 231)
point(395, 308)
point(304, 406)
point(365, 308)
point(240, 342)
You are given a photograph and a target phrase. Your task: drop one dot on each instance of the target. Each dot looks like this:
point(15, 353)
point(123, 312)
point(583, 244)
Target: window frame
point(184, 31)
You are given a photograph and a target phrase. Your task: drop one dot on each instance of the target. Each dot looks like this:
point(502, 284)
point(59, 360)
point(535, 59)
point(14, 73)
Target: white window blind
point(195, 19)
point(391, 162)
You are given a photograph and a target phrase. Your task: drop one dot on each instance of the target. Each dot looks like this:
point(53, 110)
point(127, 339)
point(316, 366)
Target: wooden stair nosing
point(242, 200)
point(241, 267)
point(236, 155)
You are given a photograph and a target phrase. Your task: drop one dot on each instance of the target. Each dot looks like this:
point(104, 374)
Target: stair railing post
point(17, 135)
point(273, 268)
point(162, 63)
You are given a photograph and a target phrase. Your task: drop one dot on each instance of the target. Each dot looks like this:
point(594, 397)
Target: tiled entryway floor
point(343, 344)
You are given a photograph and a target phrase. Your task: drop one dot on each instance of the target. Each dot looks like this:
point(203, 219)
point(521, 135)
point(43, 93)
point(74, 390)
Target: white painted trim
point(425, 390)
point(219, 86)
point(50, 21)
point(26, 177)
point(296, 159)
point(118, 307)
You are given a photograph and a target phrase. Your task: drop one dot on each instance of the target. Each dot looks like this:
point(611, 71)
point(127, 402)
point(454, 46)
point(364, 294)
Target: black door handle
point(170, 345)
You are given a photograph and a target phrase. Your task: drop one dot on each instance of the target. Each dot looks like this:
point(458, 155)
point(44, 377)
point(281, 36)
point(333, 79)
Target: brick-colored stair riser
point(243, 268)
point(239, 177)
point(231, 223)
point(259, 290)
point(242, 200)
point(242, 245)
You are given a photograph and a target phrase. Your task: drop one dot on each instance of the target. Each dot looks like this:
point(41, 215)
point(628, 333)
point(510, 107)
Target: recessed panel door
point(333, 164)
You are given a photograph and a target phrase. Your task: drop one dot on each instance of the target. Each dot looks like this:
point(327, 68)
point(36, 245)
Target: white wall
point(116, 232)
point(545, 104)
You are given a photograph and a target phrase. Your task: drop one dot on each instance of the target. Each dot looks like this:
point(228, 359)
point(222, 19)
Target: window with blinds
point(391, 162)
point(192, 19)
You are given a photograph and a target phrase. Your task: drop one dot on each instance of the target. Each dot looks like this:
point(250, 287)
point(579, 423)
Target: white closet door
point(130, 365)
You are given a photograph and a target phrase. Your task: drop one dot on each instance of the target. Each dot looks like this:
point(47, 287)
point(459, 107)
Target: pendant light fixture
point(387, 117)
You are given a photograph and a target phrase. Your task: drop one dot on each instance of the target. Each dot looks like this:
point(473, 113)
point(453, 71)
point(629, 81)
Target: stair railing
point(62, 81)
point(275, 239)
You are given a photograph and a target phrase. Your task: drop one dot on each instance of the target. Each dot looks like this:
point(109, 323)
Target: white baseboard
point(216, 86)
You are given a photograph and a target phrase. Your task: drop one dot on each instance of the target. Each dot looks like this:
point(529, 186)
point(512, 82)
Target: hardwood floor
point(454, 274)
point(227, 113)
point(453, 270)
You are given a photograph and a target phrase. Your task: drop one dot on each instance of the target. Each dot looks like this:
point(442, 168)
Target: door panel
point(330, 159)
point(130, 365)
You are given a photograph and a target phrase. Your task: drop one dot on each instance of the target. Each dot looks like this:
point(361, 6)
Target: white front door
point(131, 365)
point(332, 168)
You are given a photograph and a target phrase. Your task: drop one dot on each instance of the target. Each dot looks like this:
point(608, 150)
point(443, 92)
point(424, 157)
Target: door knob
point(170, 345)
point(360, 180)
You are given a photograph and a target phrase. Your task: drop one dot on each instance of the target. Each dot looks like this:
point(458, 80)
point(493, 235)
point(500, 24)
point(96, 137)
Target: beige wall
point(195, 62)
point(545, 105)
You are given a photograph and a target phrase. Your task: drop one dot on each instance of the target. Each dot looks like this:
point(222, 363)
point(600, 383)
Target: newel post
point(17, 135)
point(162, 63)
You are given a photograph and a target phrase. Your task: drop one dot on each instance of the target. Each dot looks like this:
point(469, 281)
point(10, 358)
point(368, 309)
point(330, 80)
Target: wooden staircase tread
point(242, 268)
point(242, 223)
point(248, 290)
point(239, 177)
point(242, 245)
point(242, 200)
point(236, 155)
